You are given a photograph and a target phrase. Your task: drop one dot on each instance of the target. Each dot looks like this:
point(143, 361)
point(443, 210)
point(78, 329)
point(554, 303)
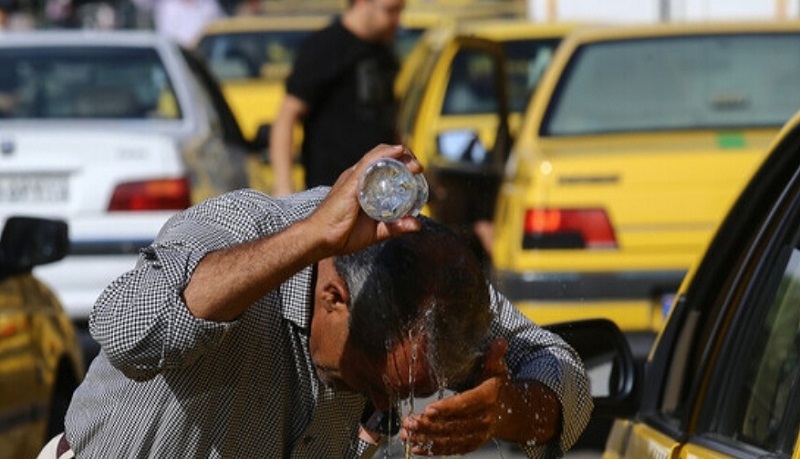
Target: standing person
point(342, 90)
point(256, 327)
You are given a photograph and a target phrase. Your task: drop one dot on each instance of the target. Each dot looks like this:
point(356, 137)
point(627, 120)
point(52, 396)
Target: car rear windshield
point(86, 83)
point(691, 82)
point(251, 54)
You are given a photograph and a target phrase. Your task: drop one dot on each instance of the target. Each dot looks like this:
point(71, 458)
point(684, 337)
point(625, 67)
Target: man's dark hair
point(429, 281)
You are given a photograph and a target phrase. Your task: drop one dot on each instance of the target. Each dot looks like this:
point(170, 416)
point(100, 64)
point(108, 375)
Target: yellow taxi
point(632, 149)
point(722, 379)
point(40, 359)
point(464, 87)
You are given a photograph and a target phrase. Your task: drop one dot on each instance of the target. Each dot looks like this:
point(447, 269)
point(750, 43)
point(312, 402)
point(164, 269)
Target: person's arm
point(226, 282)
point(208, 265)
point(281, 143)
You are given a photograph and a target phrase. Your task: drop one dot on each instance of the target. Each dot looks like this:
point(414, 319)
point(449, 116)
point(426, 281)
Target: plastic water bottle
point(387, 190)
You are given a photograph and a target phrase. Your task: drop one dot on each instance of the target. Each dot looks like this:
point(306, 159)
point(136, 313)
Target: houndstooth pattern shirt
point(169, 385)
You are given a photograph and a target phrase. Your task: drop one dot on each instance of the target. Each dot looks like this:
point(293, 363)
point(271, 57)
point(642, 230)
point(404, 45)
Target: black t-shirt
point(348, 85)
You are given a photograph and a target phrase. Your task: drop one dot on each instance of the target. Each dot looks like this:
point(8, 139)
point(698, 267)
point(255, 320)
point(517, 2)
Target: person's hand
point(464, 422)
point(346, 227)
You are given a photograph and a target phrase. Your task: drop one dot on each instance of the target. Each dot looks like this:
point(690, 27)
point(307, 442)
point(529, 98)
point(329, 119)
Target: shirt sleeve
point(141, 320)
point(537, 354)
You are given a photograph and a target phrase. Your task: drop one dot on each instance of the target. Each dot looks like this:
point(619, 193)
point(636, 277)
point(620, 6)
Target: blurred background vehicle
point(634, 146)
point(467, 86)
point(113, 132)
point(251, 56)
point(722, 380)
point(40, 358)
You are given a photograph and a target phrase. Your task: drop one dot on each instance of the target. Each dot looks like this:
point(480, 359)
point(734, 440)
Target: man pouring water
point(261, 327)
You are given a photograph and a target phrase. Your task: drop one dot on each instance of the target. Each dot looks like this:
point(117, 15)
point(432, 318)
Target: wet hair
point(428, 280)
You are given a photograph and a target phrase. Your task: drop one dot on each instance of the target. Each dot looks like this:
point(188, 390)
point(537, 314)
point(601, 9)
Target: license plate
point(33, 188)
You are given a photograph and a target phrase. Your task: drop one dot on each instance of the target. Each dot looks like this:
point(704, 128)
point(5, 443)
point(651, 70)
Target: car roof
point(632, 31)
point(238, 24)
point(513, 28)
point(39, 38)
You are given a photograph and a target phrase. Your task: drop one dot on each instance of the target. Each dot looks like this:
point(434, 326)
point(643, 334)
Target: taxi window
point(756, 406)
point(91, 83)
point(472, 87)
point(406, 39)
point(526, 61)
point(412, 101)
point(692, 82)
point(262, 54)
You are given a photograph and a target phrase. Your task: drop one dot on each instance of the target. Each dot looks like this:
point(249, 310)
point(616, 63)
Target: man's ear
point(331, 290)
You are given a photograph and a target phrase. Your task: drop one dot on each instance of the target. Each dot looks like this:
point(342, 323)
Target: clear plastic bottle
point(387, 190)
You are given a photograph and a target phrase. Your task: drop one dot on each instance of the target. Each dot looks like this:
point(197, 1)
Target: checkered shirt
point(169, 385)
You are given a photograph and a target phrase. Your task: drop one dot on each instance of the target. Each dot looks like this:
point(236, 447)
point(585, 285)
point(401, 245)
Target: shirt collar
point(297, 295)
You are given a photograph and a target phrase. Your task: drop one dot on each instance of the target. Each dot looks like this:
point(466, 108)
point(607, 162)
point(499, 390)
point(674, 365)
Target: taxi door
point(454, 116)
point(723, 379)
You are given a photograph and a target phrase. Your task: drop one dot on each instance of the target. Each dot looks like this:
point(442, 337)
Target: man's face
point(384, 18)
point(341, 365)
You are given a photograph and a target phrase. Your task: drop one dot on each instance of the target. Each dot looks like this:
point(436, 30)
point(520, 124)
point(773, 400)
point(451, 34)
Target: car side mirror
point(608, 360)
point(27, 242)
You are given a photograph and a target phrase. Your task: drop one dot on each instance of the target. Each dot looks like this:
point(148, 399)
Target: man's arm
point(281, 143)
point(226, 282)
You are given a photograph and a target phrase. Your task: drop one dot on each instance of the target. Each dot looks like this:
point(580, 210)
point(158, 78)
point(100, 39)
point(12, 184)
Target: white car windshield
point(85, 83)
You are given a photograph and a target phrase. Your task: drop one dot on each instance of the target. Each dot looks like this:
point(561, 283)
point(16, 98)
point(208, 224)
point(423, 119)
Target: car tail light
point(164, 194)
point(568, 229)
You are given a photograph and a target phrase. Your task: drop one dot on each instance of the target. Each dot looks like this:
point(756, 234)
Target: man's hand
point(464, 422)
point(346, 227)
point(528, 413)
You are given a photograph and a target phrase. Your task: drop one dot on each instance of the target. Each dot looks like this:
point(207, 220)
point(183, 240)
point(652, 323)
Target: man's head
point(404, 316)
point(375, 20)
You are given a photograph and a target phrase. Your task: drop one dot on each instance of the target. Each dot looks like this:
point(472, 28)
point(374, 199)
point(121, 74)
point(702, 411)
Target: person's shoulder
point(324, 35)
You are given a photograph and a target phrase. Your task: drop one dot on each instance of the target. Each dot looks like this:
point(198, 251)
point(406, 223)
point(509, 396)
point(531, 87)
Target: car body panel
point(642, 442)
point(721, 380)
point(90, 163)
point(664, 188)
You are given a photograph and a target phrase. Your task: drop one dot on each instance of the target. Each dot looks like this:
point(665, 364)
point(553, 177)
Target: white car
point(112, 132)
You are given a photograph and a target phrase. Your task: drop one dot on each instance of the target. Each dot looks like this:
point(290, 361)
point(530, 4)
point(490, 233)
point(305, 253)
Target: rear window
point(91, 82)
point(693, 82)
point(251, 54)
